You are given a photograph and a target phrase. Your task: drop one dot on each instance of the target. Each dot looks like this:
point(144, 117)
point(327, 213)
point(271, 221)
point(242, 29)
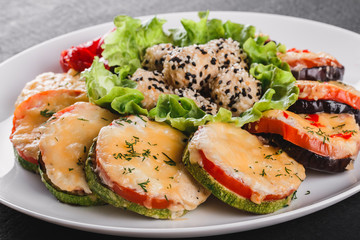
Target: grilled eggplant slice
point(136, 165)
point(333, 136)
point(29, 116)
point(64, 144)
point(240, 170)
point(306, 65)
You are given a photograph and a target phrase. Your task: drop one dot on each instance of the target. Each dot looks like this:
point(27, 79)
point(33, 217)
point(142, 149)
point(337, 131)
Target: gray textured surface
point(26, 23)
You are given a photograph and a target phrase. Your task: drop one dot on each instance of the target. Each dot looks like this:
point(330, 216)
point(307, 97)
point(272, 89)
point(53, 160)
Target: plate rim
point(218, 229)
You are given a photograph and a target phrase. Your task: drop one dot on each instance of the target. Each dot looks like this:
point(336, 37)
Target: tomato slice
point(307, 59)
point(312, 90)
point(235, 185)
point(135, 197)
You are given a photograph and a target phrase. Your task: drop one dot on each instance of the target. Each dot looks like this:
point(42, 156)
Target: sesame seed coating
point(151, 84)
point(235, 89)
point(228, 52)
point(155, 56)
point(187, 67)
point(203, 103)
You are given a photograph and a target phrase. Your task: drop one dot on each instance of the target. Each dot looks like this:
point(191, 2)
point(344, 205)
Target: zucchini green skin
point(109, 196)
point(228, 196)
point(25, 164)
point(65, 196)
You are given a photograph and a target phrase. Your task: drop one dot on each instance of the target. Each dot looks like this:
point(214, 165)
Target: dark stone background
point(26, 23)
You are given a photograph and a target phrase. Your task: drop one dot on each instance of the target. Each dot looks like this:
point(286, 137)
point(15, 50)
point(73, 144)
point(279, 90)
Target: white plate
point(24, 191)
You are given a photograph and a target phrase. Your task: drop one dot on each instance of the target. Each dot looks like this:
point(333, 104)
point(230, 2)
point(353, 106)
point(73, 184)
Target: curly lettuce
point(126, 45)
point(205, 30)
point(113, 91)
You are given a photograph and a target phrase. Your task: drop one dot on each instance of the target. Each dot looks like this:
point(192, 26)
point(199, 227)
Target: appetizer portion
point(240, 170)
point(332, 138)
point(64, 145)
point(306, 65)
point(30, 114)
point(136, 164)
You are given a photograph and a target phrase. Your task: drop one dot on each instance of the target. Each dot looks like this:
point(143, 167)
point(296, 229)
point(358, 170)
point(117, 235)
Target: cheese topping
point(33, 112)
point(338, 133)
point(51, 81)
point(65, 142)
point(145, 156)
point(265, 169)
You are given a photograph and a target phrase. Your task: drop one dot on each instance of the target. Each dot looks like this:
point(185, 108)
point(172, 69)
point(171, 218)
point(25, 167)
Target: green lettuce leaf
point(113, 91)
point(239, 32)
point(205, 30)
point(126, 45)
point(264, 53)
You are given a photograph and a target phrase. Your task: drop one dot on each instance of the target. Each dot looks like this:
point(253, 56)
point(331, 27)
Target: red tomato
point(231, 183)
point(135, 197)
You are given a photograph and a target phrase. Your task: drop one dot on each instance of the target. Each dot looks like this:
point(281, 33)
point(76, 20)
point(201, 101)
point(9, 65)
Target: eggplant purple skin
point(322, 73)
point(307, 158)
point(327, 106)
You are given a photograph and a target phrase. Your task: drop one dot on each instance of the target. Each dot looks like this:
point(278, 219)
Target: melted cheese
point(51, 81)
point(242, 156)
point(331, 126)
point(155, 169)
point(28, 118)
point(65, 142)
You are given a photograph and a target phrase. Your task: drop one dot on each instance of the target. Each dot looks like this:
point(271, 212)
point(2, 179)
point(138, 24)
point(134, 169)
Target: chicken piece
point(151, 84)
point(190, 67)
point(228, 53)
point(235, 89)
point(155, 56)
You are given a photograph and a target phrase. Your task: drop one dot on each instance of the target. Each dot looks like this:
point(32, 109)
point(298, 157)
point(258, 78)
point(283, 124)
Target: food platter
point(25, 192)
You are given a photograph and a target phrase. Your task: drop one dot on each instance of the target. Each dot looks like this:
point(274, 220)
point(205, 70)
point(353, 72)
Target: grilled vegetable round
point(136, 165)
point(241, 171)
point(64, 144)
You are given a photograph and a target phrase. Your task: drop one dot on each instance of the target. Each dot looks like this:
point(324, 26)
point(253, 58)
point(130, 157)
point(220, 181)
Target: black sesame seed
point(149, 87)
point(194, 64)
point(146, 61)
point(233, 109)
point(228, 82)
point(200, 74)
point(243, 92)
point(220, 103)
point(249, 96)
point(227, 91)
point(207, 77)
point(175, 59)
point(220, 82)
point(177, 83)
point(206, 66)
point(173, 67)
point(213, 61)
